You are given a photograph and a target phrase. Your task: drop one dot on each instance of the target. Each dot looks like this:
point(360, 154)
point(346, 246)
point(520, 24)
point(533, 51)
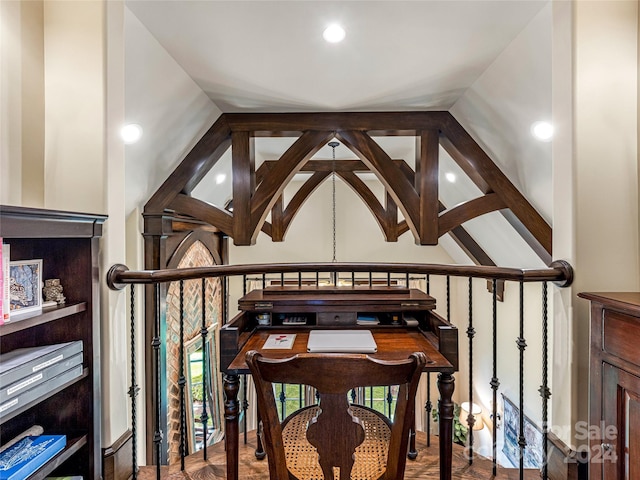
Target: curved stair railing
point(559, 273)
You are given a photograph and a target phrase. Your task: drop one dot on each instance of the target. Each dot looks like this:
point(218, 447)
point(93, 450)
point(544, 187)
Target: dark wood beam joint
point(426, 184)
point(243, 164)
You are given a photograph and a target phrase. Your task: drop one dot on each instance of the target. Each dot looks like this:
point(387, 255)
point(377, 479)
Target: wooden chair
point(314, 442)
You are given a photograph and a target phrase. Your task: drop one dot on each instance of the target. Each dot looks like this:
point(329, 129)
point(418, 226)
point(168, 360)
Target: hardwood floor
point(425, 467)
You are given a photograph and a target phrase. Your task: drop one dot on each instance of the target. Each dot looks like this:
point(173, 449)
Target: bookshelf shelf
point(73, 445)
point(47, 315)
point(68, 244)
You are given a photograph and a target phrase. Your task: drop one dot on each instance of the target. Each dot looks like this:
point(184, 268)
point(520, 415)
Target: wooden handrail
point(560, 272)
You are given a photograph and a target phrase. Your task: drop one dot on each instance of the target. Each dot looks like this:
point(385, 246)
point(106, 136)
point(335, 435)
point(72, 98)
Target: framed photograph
point(25, 287)
point(532, 435)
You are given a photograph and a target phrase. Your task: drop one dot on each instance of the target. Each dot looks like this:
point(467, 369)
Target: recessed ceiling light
point(131, 133)
point(221, 177)
point(543, 131)
point(450, 176)
point(334, 33)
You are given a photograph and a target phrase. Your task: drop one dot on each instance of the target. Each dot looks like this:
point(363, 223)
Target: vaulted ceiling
point(269, 56)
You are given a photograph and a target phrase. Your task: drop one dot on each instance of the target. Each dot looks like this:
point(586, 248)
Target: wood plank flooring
point(425, 467)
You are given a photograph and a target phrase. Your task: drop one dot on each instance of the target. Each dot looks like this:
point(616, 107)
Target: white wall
point(605, 164)
point(171, 109)
point(310, 236)
point(173, 113)
point(498, 111)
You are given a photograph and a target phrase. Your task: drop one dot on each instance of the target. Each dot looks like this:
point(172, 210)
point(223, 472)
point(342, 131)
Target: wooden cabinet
point(67, 243)
point(383, 309)
point(614, 412)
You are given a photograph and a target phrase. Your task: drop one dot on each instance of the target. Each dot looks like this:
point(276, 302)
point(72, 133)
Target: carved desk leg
point(445, 412)
point(231, 385)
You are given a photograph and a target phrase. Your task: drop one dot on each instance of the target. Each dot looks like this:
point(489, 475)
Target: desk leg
point(445, 420)
point(413, 453)
point(231, 385)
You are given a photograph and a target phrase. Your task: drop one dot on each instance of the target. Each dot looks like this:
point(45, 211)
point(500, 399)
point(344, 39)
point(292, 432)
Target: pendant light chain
point(333, 145)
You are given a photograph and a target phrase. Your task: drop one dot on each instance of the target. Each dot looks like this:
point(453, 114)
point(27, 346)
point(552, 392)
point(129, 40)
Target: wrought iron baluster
point(389, 398)
point(428, 407)
point(388, 279)
point(545, 393)
point(245, 407)
point(494, 380)
point(299, 279)
point(204, 416)
point(522, 344)
point(225, 299)
point(133, 389)
point(182, 381)
point(448, 298)
point(264, 280)
point(470, 334)
point(370, 278)
point(283, 402)
point(428, 282)
point(353, 279)
point(244, 285)
point(282, 279)
point(155, 344)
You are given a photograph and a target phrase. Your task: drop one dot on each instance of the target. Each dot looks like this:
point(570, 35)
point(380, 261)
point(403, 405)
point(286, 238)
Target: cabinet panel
point(619, 451)
point(620, 334)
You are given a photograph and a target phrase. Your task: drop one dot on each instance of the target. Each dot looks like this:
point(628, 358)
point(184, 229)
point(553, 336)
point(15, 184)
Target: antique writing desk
point(402, 321)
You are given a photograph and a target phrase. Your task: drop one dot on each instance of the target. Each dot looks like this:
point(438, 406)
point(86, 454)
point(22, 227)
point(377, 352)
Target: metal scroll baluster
point(370, 278)
point(470, 334)
point(245, 407)
point(389, 399)
point(522, 442)
point(264, 280)
point(545, 393)
point(428, 407)
point(494, 380)
point(448, 298)
point(244, 285)
point(353, 279)
point(155, 344)
point(134, 389)
point(182, 381)
point(282, 279)
point(283, 402)
point(317, 278)
point(204, 416)
point(299, 279)
point(225, 299)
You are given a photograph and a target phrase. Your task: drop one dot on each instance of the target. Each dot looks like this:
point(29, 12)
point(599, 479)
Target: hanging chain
point(333, 145)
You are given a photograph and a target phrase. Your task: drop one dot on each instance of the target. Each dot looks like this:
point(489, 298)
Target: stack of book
point(29, 374)
point(28, 454)
point(367, 320)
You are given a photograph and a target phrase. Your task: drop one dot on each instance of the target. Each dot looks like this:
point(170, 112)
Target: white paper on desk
point(281, 341)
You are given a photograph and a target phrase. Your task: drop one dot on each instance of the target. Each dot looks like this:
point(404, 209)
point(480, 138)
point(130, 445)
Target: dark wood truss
point(258, 192)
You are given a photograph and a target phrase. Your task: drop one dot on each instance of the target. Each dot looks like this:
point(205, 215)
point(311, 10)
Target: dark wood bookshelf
point(68, 244)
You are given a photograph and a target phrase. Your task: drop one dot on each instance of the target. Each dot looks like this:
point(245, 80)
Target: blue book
point(28, 455)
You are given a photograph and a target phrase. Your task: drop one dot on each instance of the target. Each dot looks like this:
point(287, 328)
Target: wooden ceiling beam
point(272, 186)
point(376, 123)
point(193, 168)
point(402, 191)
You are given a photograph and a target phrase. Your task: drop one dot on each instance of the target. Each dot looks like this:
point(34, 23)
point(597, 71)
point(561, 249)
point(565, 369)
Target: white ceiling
point(269, 56)
point(397, 55)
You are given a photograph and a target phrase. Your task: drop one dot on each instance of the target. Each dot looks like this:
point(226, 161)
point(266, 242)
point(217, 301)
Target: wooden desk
point(330, 308)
